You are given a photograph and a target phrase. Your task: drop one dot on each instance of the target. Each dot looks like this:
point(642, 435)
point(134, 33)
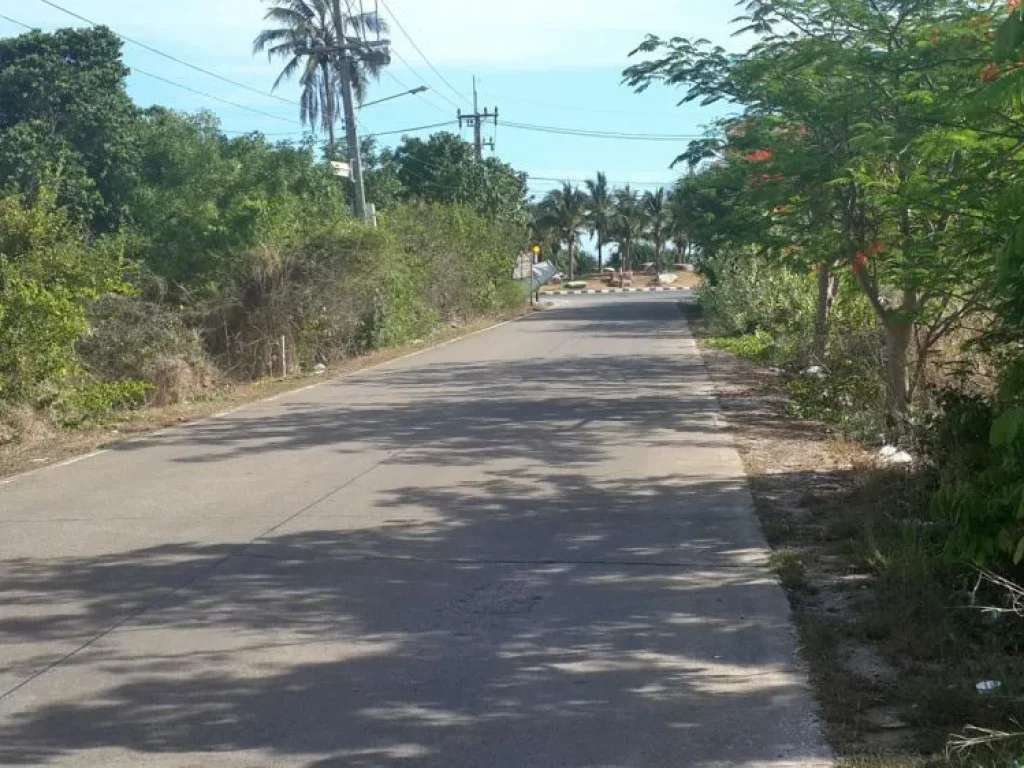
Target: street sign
point(524, 269)
point(344, 170)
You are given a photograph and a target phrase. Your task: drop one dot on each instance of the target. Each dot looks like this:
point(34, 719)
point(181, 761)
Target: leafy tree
point(659, 223)
point(67, 123)
point(630, 224)
point(858, 114)
point(444, 169)
point(204, 200)
point(303, 34)
point(565, 212)
point(601, 210)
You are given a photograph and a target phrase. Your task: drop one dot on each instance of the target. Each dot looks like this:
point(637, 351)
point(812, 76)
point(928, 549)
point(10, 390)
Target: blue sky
point(549, 62)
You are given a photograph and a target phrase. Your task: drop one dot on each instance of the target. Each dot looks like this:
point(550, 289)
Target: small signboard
point(344, 170)
point(524, 268)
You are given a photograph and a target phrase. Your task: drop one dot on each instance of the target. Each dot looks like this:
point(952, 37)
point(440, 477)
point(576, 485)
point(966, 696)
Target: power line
point(419, 95)
point(168, 56)
point(420, 77)
point(594, 110)
point(564, 131)
point(139, 71)
point(211, 96)
point(18, 23)
point(420, 52)
point(410, 130)
point(613, 182)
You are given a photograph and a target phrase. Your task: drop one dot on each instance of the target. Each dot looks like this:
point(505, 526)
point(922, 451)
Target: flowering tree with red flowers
point(886, 161)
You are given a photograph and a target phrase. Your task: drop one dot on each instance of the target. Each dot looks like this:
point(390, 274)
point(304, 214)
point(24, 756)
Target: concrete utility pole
point(352, 134)
point(347, 55)
point(477, 120)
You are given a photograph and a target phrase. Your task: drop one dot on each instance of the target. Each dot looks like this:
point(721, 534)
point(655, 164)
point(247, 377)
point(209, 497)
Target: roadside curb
point(660, 289)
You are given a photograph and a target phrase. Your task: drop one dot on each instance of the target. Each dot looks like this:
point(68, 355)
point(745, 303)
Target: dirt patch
point(27, 442)
point(893, 658)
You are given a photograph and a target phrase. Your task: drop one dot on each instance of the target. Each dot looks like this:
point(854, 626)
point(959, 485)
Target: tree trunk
point(828, 288)
point(898, 335)
point(572, 258)
point(600, 247)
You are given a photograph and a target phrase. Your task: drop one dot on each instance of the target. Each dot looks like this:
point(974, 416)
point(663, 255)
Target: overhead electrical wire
point(169, 56)
point(583, 132)
point(422, 79)
point(420, 96)
point(423, 56)
point(556, 180)
point(138, 70)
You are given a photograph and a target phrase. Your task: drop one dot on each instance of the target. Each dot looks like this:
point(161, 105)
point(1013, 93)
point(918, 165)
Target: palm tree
point(565, 211)
point(679, 223)
point(303, 33)
point(630, 223)
point(658, 222)
point(602, 211)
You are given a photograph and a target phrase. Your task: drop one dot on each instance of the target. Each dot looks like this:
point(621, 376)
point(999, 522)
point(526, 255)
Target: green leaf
point(1009, 36)
point(1007, 427)
point(1018, 554)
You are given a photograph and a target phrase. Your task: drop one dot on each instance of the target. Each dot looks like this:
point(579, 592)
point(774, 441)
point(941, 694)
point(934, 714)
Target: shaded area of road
point(532, 547)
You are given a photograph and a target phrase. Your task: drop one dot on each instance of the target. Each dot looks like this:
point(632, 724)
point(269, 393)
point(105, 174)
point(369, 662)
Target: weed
point(789, 566)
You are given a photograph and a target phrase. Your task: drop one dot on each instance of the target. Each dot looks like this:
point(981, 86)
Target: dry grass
point(32, 443)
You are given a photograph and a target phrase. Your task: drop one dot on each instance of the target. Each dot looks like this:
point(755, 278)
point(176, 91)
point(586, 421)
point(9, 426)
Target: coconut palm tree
point(679, 223)
point(601, 211)
point(565, 211)
point(656, 206)
point(629, 224)
point(301, 29)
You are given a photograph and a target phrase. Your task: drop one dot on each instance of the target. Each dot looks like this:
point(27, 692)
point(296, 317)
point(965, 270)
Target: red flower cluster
point(990, 74)
point(860, 262)
point(760, 156)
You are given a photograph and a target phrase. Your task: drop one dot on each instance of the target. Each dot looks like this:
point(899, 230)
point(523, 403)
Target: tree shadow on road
point(643, 630)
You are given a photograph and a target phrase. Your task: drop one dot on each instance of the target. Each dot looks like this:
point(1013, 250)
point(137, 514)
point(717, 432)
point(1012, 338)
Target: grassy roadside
point(893, 636)
point(50, 446)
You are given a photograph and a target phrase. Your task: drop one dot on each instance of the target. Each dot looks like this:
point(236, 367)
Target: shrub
point(134, 340)
point(87, 404)
point(48, 270)
point(750, 294)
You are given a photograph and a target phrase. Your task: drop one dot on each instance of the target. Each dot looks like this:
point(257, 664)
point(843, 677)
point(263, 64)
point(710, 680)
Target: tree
point(67, 122)
point(204, 200)
point(629, 225)
point(858, 150)
point(658, 223)
point(444, 169)
point(565, 211)
point(303, 34)
point(601, 210)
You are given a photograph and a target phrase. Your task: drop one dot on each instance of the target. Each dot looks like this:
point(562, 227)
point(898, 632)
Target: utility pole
point(355, 155)
point(349, 53)
point(477, 120)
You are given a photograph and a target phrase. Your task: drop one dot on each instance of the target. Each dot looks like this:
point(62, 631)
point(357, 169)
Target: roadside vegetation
point(149, 259)
point(857, 224)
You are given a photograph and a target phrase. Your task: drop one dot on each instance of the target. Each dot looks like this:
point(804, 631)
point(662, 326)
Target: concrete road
point(533, 548)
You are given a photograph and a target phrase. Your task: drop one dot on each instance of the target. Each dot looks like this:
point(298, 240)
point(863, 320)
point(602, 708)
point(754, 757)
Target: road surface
point(532, 548)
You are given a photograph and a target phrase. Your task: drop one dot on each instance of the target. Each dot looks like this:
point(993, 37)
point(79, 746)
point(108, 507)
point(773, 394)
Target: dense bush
point(144, 254)
point(48, 270)
point(751, 294)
